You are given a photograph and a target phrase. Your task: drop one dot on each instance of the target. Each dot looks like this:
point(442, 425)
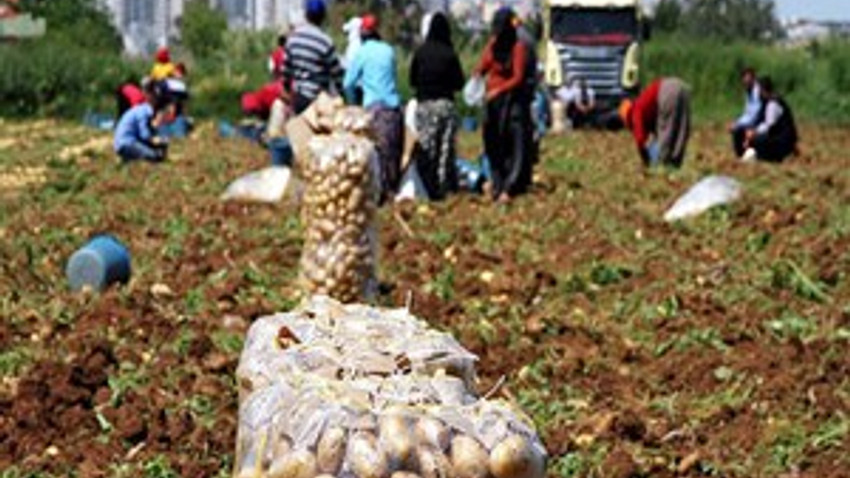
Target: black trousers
point(739, 135)
point(774, 148)
point(508, 144)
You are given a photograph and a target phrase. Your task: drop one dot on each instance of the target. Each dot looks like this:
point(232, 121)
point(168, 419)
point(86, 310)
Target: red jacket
point(502, 78)
point(276, 60)
point(645, 113)
point(260, 102)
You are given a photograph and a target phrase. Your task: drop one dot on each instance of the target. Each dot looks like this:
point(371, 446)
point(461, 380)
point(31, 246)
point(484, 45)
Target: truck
point(598, 41)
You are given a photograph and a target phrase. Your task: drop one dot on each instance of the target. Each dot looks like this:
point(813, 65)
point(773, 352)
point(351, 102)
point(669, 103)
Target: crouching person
point(775, 137)
point(134, 134)
point(663, 112)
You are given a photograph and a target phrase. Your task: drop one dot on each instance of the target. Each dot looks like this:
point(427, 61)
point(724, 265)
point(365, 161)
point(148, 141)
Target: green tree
point(202, 29)
point(80, 23)
point(751, 20)
point(668, 15)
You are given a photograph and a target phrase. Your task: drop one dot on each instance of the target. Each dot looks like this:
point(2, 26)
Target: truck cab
point(597, 40)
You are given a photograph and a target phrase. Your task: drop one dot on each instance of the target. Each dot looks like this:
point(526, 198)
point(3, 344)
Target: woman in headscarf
point(507, 131)
point(436, 75)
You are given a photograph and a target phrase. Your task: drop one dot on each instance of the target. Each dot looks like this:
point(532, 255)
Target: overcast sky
point(814, 9)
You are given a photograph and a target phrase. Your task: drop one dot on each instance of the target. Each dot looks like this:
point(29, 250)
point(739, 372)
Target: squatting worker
point(373, 69)
point(774, 137)
point(752, 108)
point(134, 133)
point(310, 60)
point(436, 75)
point(507, 131)
point(662, 112)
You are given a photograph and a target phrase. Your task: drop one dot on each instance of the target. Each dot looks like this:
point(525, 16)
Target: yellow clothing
point(161, 71)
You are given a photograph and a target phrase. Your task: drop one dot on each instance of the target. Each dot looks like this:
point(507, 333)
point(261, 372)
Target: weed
point(442, 285)
point(228, 342)
point(708, 337)
point(788, 276)
point(14, 360)
point(792, 326)
point(832, 433)
point(127, 378)
point(158, 467)
point(609, 274)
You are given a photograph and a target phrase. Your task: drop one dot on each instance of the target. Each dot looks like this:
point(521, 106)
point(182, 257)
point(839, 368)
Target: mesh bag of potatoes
point(334, 390)
point(338, 168)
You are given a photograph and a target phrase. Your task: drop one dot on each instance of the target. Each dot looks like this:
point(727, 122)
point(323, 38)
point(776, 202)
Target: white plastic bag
point(710, 192)
point(402, 401)
point(267, 185)
point(412, 188)
point(474, 91)
point(410, 115)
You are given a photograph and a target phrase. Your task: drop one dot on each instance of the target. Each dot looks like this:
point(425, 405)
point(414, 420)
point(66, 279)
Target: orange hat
point(625, 112)
point(369, 23)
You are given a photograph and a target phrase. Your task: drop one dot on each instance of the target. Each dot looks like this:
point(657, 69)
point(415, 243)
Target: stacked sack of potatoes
point(334, 390)
point(336, 162)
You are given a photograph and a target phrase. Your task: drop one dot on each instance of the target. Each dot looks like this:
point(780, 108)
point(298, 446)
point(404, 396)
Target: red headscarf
point(163, 55)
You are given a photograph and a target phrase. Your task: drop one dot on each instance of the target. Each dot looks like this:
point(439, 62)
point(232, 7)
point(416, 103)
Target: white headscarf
point(352, 30)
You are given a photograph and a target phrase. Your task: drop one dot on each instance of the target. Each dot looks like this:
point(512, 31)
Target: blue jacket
point(134, 126)
point(373, 69)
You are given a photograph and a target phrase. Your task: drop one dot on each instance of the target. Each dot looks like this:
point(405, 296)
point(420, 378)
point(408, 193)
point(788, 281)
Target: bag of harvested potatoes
point(351, 391)
point(338, 207)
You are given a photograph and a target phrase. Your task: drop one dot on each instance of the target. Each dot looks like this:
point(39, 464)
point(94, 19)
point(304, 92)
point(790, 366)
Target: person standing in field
point(436, 76)
point(660, 114)
point(752, 108)
point(774, 137)
point(373, 69)
point(311, 65)
point(507, 131)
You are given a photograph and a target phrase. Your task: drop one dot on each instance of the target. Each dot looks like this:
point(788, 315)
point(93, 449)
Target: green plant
point(791, 325)
point(203, 28)
point(158, 467)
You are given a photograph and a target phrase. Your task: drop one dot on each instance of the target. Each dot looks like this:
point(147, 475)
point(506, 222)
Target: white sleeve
point(771, 116)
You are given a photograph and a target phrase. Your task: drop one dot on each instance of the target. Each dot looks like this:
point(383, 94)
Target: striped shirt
point(311, 61)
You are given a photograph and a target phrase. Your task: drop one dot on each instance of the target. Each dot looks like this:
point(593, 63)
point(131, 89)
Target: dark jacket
point(435, 72)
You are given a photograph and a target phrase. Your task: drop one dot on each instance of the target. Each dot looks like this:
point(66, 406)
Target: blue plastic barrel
point(101, 262)
point(281, 152)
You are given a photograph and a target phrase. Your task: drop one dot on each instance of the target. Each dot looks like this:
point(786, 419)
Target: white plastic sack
point(359, 392)
point(710, 192)
point(473, 91)
point(412, 187)
point(267, 185)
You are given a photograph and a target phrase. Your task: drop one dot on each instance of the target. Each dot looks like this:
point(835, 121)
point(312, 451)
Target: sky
point(814, 9)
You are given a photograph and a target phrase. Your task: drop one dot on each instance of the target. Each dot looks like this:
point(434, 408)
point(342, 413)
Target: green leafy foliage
point(203, 29)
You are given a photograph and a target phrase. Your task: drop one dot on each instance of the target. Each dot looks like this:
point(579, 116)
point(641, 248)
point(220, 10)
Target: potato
point(404, 474)
point(365, 458)
point(331, 450)
point(432, 463)
point(469, 459)
point(430, 431)
point(515, 457)
point(295, 464)
point(396, 439)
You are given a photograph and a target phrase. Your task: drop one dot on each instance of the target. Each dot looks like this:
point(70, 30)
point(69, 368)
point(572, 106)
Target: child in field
point(134, 134)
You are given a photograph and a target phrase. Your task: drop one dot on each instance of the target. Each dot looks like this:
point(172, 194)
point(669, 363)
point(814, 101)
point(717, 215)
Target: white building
point(147, 24)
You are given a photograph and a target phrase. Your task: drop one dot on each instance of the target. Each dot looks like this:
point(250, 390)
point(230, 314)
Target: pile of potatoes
point(338, 207)
point(306, 424)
